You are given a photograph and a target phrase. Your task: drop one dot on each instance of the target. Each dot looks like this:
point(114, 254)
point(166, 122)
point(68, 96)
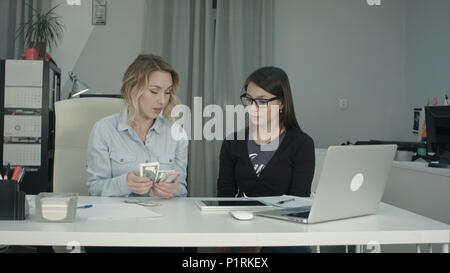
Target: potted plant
point(42, 30)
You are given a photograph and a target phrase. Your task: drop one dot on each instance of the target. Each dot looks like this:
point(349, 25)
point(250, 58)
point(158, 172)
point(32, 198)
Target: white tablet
point(231, 204)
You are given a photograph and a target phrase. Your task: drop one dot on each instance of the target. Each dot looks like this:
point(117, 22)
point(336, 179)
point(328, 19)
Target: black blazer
point(290, 171)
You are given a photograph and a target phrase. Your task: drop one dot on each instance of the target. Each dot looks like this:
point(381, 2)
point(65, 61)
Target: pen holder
point(13, 205)
point(52, 207)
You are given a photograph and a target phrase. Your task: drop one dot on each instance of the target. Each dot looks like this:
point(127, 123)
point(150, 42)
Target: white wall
point(344, 49)
point(384, 59)
point(77, 31)
point(99, 54)
point(427, 51)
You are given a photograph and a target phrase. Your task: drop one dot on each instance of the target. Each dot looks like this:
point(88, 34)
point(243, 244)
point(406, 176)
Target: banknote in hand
point(149, 170)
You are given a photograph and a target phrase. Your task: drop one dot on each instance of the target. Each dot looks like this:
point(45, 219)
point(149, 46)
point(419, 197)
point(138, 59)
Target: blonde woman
point(141, 133)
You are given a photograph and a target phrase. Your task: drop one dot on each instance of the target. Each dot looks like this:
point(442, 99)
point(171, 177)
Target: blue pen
point(85, 207)
point(285, 201)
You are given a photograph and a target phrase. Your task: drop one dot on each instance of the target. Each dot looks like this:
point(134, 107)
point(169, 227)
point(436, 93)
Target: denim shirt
point(115, 149)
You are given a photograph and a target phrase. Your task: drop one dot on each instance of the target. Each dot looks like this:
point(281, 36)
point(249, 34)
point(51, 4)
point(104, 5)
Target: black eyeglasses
point(247, 101)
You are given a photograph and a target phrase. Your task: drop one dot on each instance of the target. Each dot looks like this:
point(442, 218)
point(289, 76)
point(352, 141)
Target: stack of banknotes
point(152, 171)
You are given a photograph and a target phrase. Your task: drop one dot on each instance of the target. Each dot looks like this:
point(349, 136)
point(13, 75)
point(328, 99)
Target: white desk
point(183, 224)
point(416, 187)
point(421, 166)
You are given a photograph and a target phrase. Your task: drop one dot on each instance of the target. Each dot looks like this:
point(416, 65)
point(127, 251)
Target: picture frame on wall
point(416, 125)
point(419, 126)
point(98, 12)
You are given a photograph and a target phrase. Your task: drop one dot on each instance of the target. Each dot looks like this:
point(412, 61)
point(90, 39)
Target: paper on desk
point(116, 212)
point(297, 202)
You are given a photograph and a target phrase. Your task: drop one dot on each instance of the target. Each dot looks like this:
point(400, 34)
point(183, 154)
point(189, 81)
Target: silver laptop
point(351, 184)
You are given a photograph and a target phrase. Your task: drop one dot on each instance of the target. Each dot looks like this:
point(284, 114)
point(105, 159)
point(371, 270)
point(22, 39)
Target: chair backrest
point(74, 120)
point(320, 158)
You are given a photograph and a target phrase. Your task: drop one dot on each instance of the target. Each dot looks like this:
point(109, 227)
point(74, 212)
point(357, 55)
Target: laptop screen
point(233, 203)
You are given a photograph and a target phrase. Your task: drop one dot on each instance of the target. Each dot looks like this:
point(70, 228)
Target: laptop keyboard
point(300, 214)
point(304, 214)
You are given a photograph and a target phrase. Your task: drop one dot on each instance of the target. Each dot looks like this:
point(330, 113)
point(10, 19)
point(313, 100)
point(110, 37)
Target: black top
point(290, 171)
point(260, 155)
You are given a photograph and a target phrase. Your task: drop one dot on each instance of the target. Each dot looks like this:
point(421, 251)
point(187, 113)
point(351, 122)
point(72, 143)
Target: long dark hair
point(275, 81)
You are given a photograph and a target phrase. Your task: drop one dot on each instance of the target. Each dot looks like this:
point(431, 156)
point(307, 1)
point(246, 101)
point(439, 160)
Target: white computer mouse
point(241, 214)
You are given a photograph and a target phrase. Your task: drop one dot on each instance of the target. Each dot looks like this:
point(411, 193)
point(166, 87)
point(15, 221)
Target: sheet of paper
point(22, 126)
point(23, 97)
point(288, 201)
point(22, 154)
point(116, 212)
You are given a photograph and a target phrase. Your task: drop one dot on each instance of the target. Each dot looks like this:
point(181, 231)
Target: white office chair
point(74, 121)
point(320, 158)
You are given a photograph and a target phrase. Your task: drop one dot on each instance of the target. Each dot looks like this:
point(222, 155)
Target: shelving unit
point(28, 91)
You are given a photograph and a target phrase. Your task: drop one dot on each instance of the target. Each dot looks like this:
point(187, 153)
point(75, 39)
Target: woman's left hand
point(164, 189)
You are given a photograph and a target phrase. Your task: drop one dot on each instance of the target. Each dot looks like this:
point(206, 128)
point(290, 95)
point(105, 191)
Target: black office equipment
point(28, 91)
point(418, 148)
point(401, 145)
point(12, 201)
point(101, 96)
point(438, 134)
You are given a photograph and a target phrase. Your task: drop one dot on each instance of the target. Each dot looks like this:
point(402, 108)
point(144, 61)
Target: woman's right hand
point(137, 184)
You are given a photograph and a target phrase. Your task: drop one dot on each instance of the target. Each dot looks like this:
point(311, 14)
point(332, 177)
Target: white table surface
point(183, 224)
point(421, 167)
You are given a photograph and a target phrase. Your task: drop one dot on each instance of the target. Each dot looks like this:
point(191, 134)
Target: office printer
point(401, 145)
point(406, 151)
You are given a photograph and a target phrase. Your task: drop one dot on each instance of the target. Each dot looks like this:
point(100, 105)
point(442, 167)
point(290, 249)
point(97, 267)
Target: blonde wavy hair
point(135, 83)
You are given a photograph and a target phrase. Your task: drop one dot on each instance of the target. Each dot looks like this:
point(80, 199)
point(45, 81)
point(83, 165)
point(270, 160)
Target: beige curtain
point(214, 46)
